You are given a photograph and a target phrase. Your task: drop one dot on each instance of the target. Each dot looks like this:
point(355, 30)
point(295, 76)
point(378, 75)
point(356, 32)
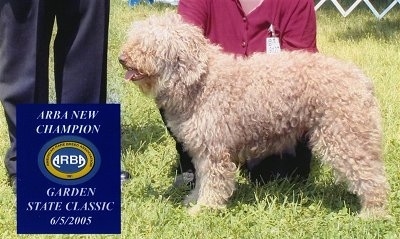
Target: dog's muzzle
point(131, 73)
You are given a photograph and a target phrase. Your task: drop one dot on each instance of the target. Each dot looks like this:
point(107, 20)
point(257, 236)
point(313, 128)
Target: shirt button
point(244, 44)
point(244, 19)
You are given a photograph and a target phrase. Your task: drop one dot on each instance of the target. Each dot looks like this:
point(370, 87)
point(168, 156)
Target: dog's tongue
point(133, 75)
point(130, 75)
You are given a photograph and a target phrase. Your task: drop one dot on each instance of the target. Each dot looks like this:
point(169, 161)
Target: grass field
point(316, 209)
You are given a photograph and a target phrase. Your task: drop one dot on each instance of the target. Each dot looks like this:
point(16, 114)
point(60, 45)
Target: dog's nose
point(122, 58)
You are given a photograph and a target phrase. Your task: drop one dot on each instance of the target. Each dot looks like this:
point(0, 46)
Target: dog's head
point(164, 51)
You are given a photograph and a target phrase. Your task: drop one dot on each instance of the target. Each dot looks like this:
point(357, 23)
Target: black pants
point(273, 167)
point(80, 54)
point(291, 166)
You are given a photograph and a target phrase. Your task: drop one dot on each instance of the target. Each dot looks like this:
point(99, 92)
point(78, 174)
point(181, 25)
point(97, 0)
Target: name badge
point(272, 43)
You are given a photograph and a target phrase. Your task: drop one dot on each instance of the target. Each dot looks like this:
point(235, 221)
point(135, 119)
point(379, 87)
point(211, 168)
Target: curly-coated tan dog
point(228, 109)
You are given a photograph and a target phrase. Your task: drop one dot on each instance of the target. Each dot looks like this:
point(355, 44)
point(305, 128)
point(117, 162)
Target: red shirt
point(225, 24)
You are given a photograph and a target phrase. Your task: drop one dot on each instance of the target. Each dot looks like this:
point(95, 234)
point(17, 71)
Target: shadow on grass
point(385, 29)
point(332, 197)
point(138, 137)
point(363, 22)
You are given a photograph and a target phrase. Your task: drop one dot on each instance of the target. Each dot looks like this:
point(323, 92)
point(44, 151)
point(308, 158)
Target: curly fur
point(228, 109)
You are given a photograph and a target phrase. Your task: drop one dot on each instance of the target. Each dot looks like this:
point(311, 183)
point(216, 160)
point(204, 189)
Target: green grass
point(316, 209)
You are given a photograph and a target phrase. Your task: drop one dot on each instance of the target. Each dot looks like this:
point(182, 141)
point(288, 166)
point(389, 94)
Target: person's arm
point(194, 11)
point(300, 29)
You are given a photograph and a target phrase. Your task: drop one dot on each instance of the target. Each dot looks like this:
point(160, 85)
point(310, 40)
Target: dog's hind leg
point(215, 182)
point(354, 153)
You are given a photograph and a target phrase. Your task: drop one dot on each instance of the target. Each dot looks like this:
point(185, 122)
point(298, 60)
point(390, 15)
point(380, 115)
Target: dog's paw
point(195, 210)
point(190, 199)
point(375, 214)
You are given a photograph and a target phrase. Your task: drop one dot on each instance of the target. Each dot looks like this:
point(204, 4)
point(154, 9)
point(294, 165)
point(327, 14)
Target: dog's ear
point(192, 62)
point(190, 49)
point(179, 47)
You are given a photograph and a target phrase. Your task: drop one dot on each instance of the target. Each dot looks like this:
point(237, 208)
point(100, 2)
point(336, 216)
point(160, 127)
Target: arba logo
point(59, 160)
point(69, 160)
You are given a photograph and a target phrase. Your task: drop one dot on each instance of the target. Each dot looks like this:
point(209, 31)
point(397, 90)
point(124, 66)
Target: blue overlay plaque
point(69, 169)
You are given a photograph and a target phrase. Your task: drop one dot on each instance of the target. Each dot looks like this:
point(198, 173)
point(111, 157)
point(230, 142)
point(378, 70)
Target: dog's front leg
point(215, 182)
